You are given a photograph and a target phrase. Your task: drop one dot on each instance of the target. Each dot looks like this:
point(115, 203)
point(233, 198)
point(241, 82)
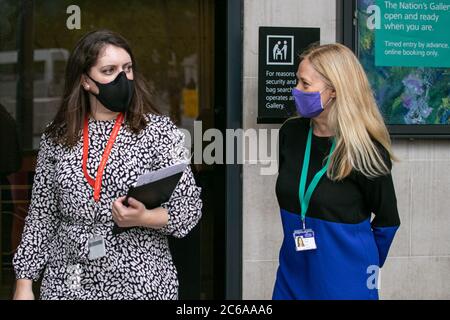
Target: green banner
point(412, 33)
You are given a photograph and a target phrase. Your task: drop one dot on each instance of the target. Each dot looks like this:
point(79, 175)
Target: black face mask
point(115, 95)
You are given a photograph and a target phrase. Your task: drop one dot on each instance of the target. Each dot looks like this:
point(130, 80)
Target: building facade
point(202, 58)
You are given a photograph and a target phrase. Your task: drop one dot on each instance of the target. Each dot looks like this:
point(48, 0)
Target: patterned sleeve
point(42, 220)
point(185, 205)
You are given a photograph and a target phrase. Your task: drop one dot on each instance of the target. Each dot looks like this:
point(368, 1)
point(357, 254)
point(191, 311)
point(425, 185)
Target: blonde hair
point(354, 116)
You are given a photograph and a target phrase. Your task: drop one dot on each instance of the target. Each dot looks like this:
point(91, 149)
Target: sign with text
point(279, 50)
point(412, 33)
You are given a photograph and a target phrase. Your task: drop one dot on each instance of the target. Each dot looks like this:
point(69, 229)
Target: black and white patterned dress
point(138, 263)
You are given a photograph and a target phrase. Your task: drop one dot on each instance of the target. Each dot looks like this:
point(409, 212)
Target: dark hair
point(68, 122)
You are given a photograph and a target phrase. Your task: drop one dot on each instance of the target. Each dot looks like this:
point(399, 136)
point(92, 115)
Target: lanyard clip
point(304, 225)
point(95, 207)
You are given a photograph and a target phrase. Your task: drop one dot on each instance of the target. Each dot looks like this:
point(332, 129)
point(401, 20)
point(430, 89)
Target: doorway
point(181, 50)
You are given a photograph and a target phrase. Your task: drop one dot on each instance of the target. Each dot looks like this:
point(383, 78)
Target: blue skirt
point(345, 264)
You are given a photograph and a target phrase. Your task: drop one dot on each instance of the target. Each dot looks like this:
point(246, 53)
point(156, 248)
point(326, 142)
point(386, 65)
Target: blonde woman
point(334, 172)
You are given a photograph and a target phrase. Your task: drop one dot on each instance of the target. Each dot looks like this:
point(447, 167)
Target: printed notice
point(279, 50)
point(412, 33)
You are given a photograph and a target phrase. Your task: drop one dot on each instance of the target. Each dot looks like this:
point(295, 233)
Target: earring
point(87, 87)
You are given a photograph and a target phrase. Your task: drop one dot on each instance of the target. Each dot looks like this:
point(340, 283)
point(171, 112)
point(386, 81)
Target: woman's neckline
point(322, 137)
point(92, 119)
point(319, 137)
point(315, 135)
point(91, 116)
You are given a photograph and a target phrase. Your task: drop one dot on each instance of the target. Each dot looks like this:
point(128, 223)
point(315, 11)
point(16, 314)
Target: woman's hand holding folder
point(136, 215)
point(150, 192)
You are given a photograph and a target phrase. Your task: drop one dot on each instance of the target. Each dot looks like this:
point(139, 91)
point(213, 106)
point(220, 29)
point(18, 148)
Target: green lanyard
point(305, 198)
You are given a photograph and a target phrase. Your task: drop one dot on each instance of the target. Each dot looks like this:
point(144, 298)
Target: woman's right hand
point(24, 290)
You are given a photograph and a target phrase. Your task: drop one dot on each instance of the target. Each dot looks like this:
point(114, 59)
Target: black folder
point(154, 189)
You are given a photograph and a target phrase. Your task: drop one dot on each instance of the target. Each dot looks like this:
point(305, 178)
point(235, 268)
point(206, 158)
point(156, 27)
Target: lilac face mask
point(308, 104)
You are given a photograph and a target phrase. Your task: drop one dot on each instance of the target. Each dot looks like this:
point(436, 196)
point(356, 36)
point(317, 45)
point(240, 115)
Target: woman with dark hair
point(104, 136)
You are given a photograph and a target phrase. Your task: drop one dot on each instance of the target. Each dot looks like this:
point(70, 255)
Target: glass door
point(174, 43)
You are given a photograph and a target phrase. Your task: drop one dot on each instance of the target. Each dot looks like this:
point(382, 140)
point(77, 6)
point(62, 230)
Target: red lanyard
point(97, 183)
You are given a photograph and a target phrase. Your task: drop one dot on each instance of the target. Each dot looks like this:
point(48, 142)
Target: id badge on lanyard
point(305, 238)
point(96, 243)
point(96, 247)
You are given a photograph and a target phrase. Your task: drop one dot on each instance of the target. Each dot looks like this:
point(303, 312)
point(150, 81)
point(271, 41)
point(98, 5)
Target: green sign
point(411, 33)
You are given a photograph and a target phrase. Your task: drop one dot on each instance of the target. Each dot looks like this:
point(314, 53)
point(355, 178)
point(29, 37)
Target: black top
point(351, 200)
